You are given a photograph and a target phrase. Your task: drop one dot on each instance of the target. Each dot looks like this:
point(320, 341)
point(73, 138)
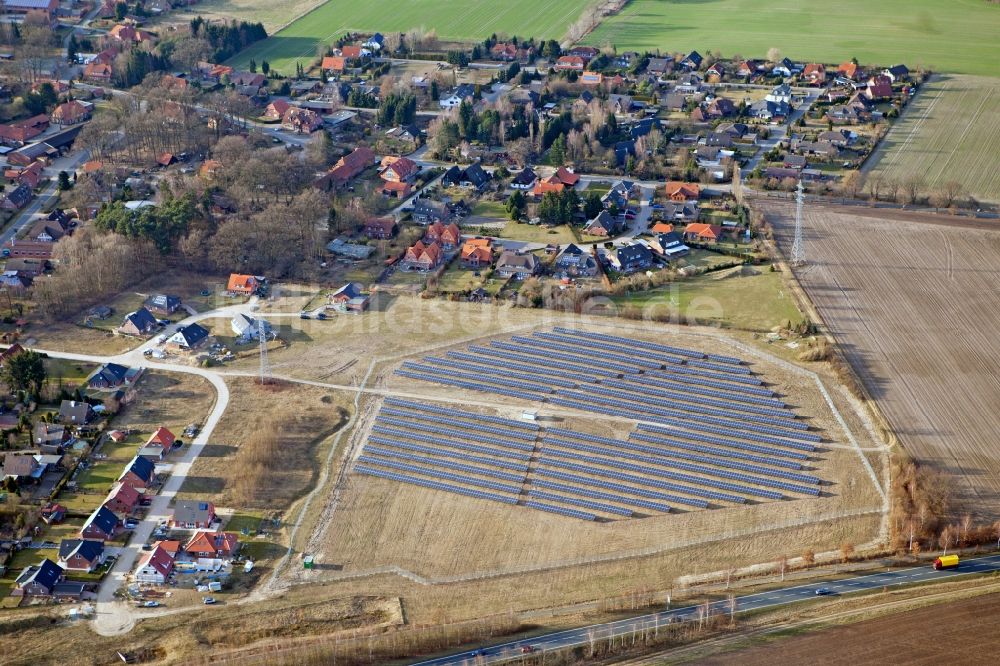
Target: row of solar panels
point(470, 416)
point(462, 434)
point(485, 388)
point(649, 345)
point(457, 421)
point(432, 439)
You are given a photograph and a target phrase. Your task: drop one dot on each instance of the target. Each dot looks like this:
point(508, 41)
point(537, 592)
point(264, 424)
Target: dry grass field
point(913, 302)
point(951, 132)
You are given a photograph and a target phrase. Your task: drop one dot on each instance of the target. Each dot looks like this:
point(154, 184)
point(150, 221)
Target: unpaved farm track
point(915, 306)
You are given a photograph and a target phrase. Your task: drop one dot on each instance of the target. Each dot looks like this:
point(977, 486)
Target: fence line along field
point(468, 21)
point(915, 306)
point(962, 39)
point(951, 132)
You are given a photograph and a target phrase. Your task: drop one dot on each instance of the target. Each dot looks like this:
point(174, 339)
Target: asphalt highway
point(777, 597)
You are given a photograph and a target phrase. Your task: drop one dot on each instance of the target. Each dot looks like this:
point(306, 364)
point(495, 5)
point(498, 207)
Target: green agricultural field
point(466, 21)
point(950, 132)
point(958, 36)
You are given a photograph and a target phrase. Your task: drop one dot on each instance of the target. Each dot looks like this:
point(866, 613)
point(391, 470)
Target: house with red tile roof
point(380, 228)
point(301, 121)
point(71, 113)
point(422, 257)
point(347, 168)
point(550, 184)
point(814, 73)
point(275, 111)
point(567, 177)
point(122, 499)
point(97, 71)
point(396, 189)
point(242, 285)
point(399, 169)
point(681, 191)
point(477, 253)
point(701, 232)
point(333, 64)
point(449, 236)
point(849, 70)
point(213, 545)
point(879, 87)
point(22, 131)
point(569, 63)
point(155, 566)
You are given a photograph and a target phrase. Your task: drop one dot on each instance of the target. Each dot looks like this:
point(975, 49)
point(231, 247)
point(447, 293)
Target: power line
point(798, 247)
point(265, 368)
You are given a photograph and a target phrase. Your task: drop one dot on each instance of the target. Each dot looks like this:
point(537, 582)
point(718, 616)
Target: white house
point(456, 96)
point(155, 566)
point(247, 328)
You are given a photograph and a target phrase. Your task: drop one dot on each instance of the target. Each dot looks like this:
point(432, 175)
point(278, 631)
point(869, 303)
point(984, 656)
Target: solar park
point(704, 430)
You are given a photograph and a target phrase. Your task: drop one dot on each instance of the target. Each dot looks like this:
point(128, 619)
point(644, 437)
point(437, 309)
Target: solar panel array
point(709, 431)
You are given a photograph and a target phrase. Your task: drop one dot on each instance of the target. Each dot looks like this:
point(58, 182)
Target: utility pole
point(265, 368)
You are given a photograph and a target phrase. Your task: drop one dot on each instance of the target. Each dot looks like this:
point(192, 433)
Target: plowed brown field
point(915, 305)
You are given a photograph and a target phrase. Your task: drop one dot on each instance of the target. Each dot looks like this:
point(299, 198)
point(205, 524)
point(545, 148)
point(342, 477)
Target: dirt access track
point(913, 302)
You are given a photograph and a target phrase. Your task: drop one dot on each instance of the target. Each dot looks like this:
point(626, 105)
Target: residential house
point(569, 63)
point(520, 266)
point(380, 228)
point(814, 73)
point(620, 194)
point(849, 70)
point(702, 233)
point(720, 107)
point(630, 258)
point(679, 191)
point(669, 245)
point(162, 304)
point(897, 73)
point(122, 499)
point(53, 513)
point(38, 580)
point(474, 177)
point(350, 298)
point(71, 113)
point(524, 179)
point(375, 43)
point(83, 555)
point(747, 68)
point(409, 135)
point(576, 262)
point(477, 253)
point(243, 285)
point(109, 375)
point(716, 72)
point(422, 257)
point(398, 169)
point(22, 467)
point(425, 211)
point(674, 101)
point(193, 515)
point(161, 440)
point(155, 566)
point(692, 60)
point(879, 87)
point(213, 545)
point(10, 352)
point(276, 110)
point(839, 138)
point(50, 438)
point(301, 121)
point(347, 168)
point(138, 323)
point(644, 127)
point(567, 177)
point(129, 34)
point(689, 82)
point(770, 111)
point(188, 337)
point(140, 473)
point(784, 67)
point(588, 53)
point(456, 96)
point(603, 225)
point(21, 132)
point(660, 66)
point(448, 236)
point(73, 412)
point(247, 328)
point(17, 198)
point(97, 72)
point(102, 524)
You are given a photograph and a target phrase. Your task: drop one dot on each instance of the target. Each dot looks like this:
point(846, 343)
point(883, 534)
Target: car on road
point(151, 604)
point(527, 649)
point(208, 601)
point(321, 315)
point(304, 315)
point(131, 524)
point(191, 430)
point(163, 322)
point(824, 592)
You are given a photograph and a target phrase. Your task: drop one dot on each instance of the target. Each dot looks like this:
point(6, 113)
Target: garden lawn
point(959, 36)
point(473, 20)
point(532, 233)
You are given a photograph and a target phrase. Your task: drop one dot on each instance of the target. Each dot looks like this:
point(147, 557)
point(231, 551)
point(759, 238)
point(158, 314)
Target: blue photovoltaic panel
point(748, 394)
point(448, 464)
point(458, 478)
point(710, 439)
point(504, 430)
point(599, 494)
point(655, 483)
point(431, 439)
point(534, 367)
point(629, 341)
point(698, 376)
point(526, 348)
point(595, 506)
point(602, 356)
point(620, 487)
point(720, 367)
point(441, 430)
point(600, 345)
point(754, 436)
point(505, 371)
point(760, 476)
point(695, 489)
point(448, 411)
point(486, 388)
point(522, 355)
point(668, 457)
point(725, 453)
point(452, 375)
point(436, 485)
point(436, 452)
point(572, 513)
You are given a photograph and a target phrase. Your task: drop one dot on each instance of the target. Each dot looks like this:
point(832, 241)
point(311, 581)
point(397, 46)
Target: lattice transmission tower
point(798, 246)
point(265, 367)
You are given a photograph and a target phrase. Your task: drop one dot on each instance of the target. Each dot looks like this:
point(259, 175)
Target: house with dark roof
point(575, 261)
point(456, 96)
point(103, 524)
point(38, 580)
point(74, 412)
point(22, 467)
point(524, 179)
point(138, 473)
point(427, 211)
point(50, 438)
point(897, 73)
point(188, 337)
point(630, 258)
point(81, 554)
point(474, 177)
point(109, 375)
point(380, 228)
point(669, 245)
point(521, 266)
point(603, 225)
point(692, 60)
point(138, 323)
point(155, 566)
point(163, 304)
point(17, 198)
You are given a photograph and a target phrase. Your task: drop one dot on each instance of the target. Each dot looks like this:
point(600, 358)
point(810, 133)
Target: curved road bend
point(761, 600)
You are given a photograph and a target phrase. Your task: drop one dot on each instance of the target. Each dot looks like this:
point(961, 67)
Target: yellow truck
point(946, 562)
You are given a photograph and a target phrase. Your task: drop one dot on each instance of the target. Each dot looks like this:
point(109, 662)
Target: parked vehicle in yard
point(208, 601)
point(151, 604)
point(946, 562)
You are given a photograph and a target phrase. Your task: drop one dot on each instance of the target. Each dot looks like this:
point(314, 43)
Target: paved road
point(779, 597)
point(27, 214)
